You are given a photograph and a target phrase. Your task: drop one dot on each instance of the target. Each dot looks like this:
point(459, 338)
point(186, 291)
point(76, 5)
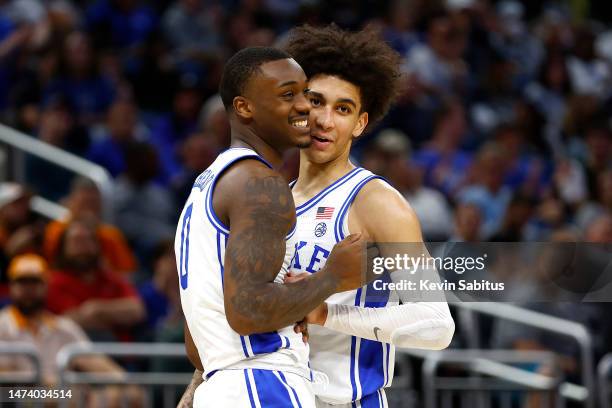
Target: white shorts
point(375, 400)
point(254, 388)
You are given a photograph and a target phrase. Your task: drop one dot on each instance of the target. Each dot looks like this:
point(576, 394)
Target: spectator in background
point(468, 221)
point(85, 202)
point(526, 172)
point(27, 321)
point(588, 73)
point(122, 129)
point(100, 301)
point(438, 64)
point(599, 230)
point(214, 121)
point(442, 159)
point(119, 23)
point(20, 228)
point(392, 149)
point(145, 212)
point(161, 295)
point(58, 128)
point(191, 28)
point(518, 214)
point(598, 141)
point(487, 190)
point(89, 92)
point(171, 130)
point(198, 152)
point(600, 205)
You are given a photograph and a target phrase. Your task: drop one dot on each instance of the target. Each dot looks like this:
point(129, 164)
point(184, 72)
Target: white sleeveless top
point(199, 245)
point(355, 367)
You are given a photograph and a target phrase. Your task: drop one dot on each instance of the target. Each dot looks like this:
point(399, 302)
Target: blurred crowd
point(502, 132)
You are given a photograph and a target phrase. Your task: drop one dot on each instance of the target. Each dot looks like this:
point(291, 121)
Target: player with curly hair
point(353, 79)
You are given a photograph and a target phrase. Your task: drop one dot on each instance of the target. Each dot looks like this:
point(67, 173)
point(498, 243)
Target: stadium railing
point(23, 143)
point(169, 382)
point(486, 378)
point(584, 393)
point(15, 350)
point(604, 371)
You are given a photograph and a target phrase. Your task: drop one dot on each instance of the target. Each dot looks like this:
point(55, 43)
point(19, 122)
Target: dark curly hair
point(361, 58)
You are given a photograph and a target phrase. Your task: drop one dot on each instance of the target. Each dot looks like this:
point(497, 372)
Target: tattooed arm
point(187, 398)
point(257, 205)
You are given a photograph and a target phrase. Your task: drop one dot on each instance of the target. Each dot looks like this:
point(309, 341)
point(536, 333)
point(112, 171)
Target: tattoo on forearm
point(187, 398)
point(271, 214)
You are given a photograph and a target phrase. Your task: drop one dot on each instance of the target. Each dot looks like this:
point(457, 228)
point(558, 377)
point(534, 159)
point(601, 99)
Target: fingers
point(292, 277)
point(355, 237)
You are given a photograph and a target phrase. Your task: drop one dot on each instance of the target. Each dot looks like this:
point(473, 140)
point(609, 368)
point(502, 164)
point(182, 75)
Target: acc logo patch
point(320, 229)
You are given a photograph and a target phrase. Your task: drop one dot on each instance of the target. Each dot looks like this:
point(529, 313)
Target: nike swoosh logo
point(376, 330)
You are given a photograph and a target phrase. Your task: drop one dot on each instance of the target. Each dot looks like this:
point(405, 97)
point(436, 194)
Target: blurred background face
point(86, 202)
point(81, 247)
point(467, 222)
point(16, 213)
point(28, 294)
point(279, 108)
point(335, 118)
point(77, 52)
point(122, 121)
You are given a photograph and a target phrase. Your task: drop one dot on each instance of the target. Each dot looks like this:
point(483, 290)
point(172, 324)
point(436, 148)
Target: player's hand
point(345, 263)
point(294, 277)
point(302, 327)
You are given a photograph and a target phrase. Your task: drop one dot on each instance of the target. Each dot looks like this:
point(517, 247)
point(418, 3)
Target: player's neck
point(314, 177)
point(246, 137)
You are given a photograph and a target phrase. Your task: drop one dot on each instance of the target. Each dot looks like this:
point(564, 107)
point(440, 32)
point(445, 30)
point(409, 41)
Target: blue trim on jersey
point(319, 196)
point(292, 183)
point(222, 269)
point(266, 342)
point(249, 390)
point(373, 400)
point(292, 232)
point(282, 376)
point(353, 357)
point(339, 234)
point(270, 391)
point(388, 346)
point(244, 348)
point(371, 369)
point(210, 211)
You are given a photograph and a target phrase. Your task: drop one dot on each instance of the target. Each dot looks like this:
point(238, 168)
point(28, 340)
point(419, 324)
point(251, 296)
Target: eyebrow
point(342, 100)
point(287, 83)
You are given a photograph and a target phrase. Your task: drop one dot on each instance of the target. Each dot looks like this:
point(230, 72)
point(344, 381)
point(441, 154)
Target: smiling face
point(275, 103)
point(335, 118)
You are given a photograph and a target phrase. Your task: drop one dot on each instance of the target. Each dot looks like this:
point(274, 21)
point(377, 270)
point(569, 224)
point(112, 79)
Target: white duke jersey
point(199, 245)
point(356, 367)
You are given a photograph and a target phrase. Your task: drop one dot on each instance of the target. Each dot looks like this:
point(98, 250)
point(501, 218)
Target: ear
point(243, 107)
point(362, 122)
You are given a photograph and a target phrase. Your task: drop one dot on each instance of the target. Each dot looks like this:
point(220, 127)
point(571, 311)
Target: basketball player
point(235, 235)
point(352, 81)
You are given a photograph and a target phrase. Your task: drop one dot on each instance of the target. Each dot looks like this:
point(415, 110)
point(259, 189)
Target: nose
point(323, 118)
point(302, 106)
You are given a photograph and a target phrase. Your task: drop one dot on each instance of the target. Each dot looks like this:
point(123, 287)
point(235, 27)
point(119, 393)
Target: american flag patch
point(324, 213)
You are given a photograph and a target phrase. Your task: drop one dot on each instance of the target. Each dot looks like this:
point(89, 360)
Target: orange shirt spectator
point(98, 300)
point(116, 253)
point(85, 201)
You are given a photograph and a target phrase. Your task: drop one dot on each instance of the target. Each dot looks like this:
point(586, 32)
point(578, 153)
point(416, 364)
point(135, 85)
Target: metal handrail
point(487, 362)
point(61, 158)
point(151, 350)
point(604, 368)
point(49, 209)
point(549, 323)
point(21, 378)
